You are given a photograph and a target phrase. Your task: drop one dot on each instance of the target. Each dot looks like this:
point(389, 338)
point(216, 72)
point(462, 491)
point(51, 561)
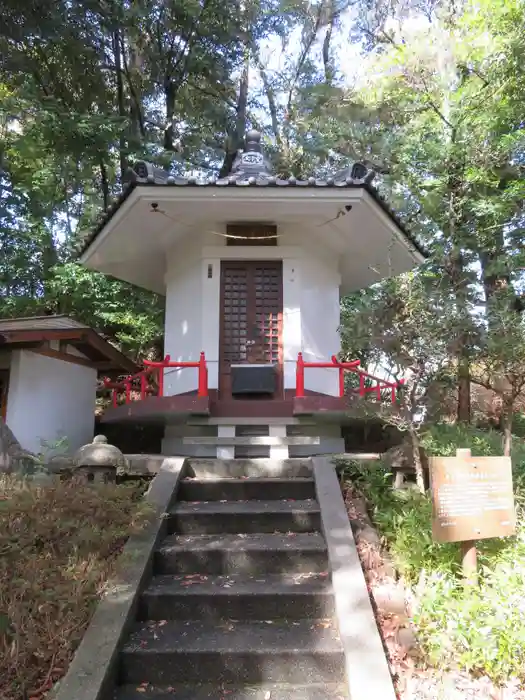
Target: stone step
point(252, 440)
point(241, 652)
point(245, 489)
point(267, 691)
point(196, 596)
point(244, 468)
point(214, 517)
point(251, 420)
point(244, 553)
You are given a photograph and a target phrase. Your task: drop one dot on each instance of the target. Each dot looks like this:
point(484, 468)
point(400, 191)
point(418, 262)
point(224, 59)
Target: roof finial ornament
point(253, 140)
point(251, 162)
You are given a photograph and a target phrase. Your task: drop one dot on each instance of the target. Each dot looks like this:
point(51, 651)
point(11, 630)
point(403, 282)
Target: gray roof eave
point(266, 181)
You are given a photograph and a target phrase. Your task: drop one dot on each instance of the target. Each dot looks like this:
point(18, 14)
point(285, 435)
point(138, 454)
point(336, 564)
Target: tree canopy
point(432, 101)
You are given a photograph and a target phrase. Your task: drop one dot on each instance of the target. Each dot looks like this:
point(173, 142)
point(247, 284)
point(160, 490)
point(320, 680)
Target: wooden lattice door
point(251, 317)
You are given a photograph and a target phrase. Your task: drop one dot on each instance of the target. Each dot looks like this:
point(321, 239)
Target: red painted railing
point(143, 382)
point(343, 367)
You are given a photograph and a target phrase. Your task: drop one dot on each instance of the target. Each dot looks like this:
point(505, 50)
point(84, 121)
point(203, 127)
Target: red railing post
point(160, 381)
point(299, 377)
point(114, 397)
point(202, 390)
point(362, 385)
point(127, 386)
point(378, 392)
point(143, 385)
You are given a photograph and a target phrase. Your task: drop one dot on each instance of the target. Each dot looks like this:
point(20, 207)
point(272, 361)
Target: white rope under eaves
point(219, 233)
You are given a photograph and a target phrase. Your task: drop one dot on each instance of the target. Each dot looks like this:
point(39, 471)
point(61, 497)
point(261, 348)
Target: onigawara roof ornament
point(251, 162)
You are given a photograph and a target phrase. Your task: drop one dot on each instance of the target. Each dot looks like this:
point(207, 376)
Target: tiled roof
point(250, 169)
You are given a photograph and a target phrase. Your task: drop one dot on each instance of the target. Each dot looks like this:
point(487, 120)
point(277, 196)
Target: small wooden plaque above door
point(251, 234)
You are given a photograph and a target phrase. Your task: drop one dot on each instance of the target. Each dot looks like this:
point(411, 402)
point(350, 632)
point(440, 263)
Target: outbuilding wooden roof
point(55, 322)
point(75, 339)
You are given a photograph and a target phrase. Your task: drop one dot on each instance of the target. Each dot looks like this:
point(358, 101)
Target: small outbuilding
point(49, 369)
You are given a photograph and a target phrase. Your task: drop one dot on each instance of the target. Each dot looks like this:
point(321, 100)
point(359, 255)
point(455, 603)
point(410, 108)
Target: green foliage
point(480, 629)
point(403, 519)
point(132, 316)
point(439, 111)
point(445, 438)
point(89, 87)
point(474, 628)
point(404, 328)
point(518, 424)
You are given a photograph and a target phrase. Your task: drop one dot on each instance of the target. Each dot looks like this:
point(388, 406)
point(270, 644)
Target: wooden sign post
point(472, 499)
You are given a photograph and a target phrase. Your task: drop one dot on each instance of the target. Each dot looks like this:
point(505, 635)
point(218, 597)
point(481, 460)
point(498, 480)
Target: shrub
point(518, 424)
point(443, 439)
point(474, 628)
point(58, 545)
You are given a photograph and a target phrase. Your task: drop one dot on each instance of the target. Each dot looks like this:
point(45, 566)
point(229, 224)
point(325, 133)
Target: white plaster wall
point(320, 318)
point(50, 399)
point(310, 310)
point(292, 334)
point(211, 288)
point(72, 350)
point(183, 322)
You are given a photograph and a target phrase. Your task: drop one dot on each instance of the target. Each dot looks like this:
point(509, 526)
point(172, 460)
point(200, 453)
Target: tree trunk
point(132, 71)
point(464, 399)
point(327, 62)
point(104, 183)
point(506, 424)
point(234, 141)
point(458, 276)
point(270, 96)
point(121, 101)
point(170, 93)
point(494, 273)
point(460, 286)
point(416, 456)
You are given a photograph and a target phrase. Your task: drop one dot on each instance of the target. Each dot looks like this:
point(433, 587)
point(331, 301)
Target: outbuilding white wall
point(183, 322)
point(320, 318)
point(310, 310)
point(50, 399)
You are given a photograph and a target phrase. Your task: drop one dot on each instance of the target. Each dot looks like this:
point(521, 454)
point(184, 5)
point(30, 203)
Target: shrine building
point(253, 268)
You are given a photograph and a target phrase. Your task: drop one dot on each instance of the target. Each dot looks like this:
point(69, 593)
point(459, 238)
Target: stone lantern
point(98, 461)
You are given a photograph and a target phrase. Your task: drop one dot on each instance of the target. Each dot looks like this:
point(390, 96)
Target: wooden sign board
point(472, 498)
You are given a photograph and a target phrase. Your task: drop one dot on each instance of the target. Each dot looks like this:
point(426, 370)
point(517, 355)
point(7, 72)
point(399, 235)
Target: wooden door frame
point(224, 382)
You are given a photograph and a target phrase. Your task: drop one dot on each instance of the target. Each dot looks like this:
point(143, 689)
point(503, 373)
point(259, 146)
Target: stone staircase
point(240, 603)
